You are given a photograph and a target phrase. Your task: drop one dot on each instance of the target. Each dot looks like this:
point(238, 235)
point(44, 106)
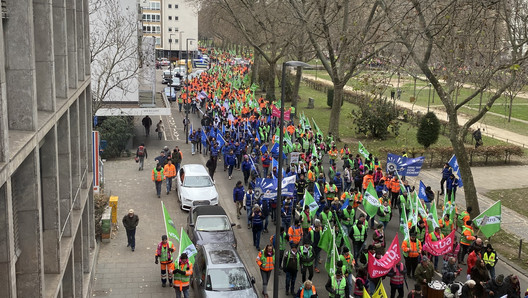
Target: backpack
point(141, 151)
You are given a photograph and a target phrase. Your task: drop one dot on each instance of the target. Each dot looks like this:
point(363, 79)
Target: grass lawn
point(507, 245)
point(321, 114)
point(511, 198)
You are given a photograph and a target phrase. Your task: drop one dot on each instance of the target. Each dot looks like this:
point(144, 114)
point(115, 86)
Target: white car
point(195, 187)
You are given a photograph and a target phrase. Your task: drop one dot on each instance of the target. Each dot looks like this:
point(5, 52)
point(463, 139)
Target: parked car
point(219, 272)
point(176, 83)
point(167, 77)
point(195, 187)
point(210, 224)
point(171, 94)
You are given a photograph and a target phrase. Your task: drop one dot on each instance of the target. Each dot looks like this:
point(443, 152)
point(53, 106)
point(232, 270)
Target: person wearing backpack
point(141, 154)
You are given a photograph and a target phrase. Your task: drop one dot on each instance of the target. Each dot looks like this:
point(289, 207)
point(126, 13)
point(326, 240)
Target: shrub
point(116, 131)
point(429, 130)
point(376, 117)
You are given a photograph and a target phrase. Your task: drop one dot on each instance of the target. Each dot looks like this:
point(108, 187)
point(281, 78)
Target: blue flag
point(220, 140)
point(453, 163)
point(263, 149)
point(405, 166)
point(317, 193)
point(421, 191)
point(275, 149)
point(345, 204)
point(204, 139)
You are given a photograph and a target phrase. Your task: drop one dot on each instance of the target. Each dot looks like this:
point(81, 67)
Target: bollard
point(520, 248)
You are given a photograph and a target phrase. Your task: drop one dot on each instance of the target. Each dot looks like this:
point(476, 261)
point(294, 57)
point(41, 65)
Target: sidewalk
point(491, 131)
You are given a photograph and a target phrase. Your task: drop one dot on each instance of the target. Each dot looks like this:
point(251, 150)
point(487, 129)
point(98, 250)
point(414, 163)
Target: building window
point(170, 29)
point(154, 5)
point(151, 17)
point(175, 18)
point(170, 5)
point(158, 41)
point(175, 5)
point(176, 29)
point(170, 18)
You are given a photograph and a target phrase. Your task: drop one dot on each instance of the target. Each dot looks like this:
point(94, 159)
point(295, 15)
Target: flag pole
point(164, 219)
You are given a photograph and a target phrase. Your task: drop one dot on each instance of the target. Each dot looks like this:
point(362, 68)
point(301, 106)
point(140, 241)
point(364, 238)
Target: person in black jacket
point(211, 166)
point(130, 222)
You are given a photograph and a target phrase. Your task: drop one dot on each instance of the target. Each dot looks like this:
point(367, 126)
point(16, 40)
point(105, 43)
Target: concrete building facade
point(47, 239)
point(172, 23)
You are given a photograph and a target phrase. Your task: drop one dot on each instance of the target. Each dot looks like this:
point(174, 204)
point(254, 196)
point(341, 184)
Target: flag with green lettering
point(404, 228)
point(371, 201)
point(489, 221)
point(363, 151)
point(170, 228)
point(310, 202)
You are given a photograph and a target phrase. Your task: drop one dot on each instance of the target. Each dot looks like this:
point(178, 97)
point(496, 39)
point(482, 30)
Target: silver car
point(195, 187)
point(219, 272)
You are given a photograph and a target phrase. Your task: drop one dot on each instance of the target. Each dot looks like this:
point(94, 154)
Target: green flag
point(331, 258)
point(404, 228)
point(325, 242)
point(363, 151)
point(345, 236)
point(170, 229)
point(432, 217)
point(186, 246)
point(310, 202)
point(371, 201)
point(317, 130)
point(489, 221)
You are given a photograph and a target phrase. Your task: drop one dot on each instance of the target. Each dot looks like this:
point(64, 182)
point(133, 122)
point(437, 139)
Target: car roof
point(208, 210)
point(195, 170)
point(221, 255)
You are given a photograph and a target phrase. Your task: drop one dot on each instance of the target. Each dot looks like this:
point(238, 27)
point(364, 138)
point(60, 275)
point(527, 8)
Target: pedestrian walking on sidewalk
point(182, 276)
point(160, 128)
point(164, 256)
point(147, 123)
point(158, 177)
point(257, 225)
point(130, 222)
point(211, 166)
point(170, 172)
point(141, 154)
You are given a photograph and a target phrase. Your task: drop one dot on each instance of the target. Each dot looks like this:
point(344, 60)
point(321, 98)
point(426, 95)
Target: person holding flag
point(348, 262)
point(358, 235)
point(182, 276)
point(347, 215)
point(164, 256)
point(306, 259)
point(337, 285)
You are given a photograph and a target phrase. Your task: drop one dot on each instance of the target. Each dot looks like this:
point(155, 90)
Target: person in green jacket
point(385, 214)
point(307, 258)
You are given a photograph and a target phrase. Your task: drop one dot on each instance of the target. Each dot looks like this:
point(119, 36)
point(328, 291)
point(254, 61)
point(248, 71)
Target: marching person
point(412, 248)
point(158, 177)
point(266, 261)
point(182, 276)
point(238, 197)
point(170, 172)
point(164, 256)
point(307, 290)
point(490, 260)
point(337, 285)
point(290, 265)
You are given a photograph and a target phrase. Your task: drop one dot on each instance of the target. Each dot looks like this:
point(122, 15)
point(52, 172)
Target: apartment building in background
point(47, 240)
point(174, 24)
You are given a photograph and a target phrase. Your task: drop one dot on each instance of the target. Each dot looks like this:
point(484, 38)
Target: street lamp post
point(170, 64)
point(180, 44)
point(187, 104)
point(279, 182)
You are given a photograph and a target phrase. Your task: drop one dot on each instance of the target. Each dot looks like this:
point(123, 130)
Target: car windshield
point(227, 279)
point(197, 181)
point(212, 223)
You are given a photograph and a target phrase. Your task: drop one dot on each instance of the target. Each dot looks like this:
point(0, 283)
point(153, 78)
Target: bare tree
point(345, 35)
point(462, 42)
point(113, 50)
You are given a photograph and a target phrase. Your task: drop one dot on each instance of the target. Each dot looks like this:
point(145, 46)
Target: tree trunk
point(470, 190)
point(270, 89)
point(333, 126)
point(510, 112)
point(256, 67)
point(296, 86)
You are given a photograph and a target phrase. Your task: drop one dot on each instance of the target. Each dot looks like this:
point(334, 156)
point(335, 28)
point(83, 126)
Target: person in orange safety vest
point(170, 172)
point(182, 276)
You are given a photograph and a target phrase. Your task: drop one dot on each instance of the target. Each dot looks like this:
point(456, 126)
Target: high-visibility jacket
point(282, 241)
point(182, 280)
point(163, 252)
point(330, 191)
point(306, 220)
point(467, 235)
point(265, 262)
point(420, 233)
point(367, 179)
point(311, 176)
point(435, 237)
point(157, 175)
point(339, 287)
point(489, 258)
point(387, 213)
point(411, 249)
point(169, 171)
point(359, 235)
point(446, 226)
point(395, 185)
point(463, 218)
point(358, 199)
point(348, 217)
point(295, 234)
point(313, 292)
point(326, 218)
point(348, 262)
